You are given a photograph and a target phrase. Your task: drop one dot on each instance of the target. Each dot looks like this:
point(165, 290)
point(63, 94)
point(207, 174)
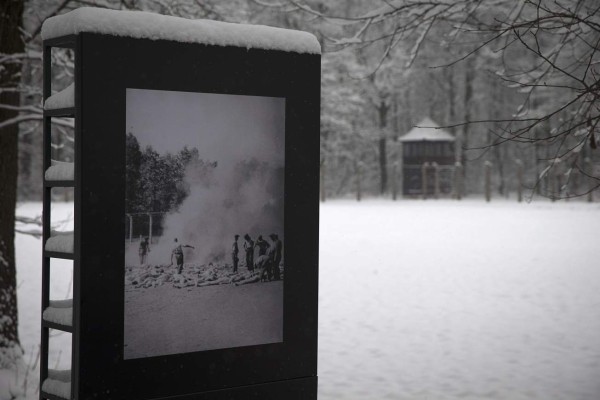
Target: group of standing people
point(268, 259)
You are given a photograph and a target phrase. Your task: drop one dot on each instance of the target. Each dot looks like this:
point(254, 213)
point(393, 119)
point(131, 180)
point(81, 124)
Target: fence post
point(424, 180)
point(150, 227)
point(357, 169)
point(519, 180)
point(394, 181)
point(322, 181)
point(558, 179)
point(458, 180)
point(588, 169)
point(436, 180)
point(488, 180)
point(576, 177)
point(130, 227)
point(553, 180)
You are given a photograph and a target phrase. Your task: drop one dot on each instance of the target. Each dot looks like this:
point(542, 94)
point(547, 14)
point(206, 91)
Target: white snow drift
point(63, 99)
point(59, 312)
point(60, 171)
point(61, 242)
point(58, 383)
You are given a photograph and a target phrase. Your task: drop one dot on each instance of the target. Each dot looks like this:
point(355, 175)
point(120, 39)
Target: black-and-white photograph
point(204, 243)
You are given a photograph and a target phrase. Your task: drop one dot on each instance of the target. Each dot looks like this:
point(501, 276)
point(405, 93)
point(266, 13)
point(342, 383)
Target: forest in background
point(388, 65)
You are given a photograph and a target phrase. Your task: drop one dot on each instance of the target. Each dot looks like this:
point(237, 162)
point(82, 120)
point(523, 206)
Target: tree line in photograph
point(156, 182)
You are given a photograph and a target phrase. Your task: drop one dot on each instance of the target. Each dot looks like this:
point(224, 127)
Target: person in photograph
point(263, 266)
point(177, 252)
point(144, 250)
point(275, 255)
point(249, 248)
point(234, 253)
point(262, 246)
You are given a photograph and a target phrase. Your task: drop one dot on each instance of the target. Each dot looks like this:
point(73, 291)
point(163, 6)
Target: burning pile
point(198, 275)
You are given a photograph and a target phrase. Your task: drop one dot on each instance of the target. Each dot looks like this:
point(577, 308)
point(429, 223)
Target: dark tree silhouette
point(11, 13)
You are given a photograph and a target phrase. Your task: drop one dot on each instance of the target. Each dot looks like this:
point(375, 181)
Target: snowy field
point(428, 300)
point(459, 300)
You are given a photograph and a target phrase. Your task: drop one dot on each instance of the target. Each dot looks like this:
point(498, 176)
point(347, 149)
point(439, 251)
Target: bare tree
point(546, 50)
point(11, 13)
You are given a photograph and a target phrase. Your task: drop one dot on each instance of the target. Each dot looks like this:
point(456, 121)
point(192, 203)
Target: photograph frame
point(110, 65)
point(204, 177)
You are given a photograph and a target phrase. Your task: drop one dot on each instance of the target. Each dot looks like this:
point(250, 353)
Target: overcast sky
point(222, 127)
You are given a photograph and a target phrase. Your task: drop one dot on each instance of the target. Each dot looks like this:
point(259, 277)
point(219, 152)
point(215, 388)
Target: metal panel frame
point(72, 42)
point(282, 370)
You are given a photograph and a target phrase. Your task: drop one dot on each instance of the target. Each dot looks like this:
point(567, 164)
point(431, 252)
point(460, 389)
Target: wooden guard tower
point(428, 157)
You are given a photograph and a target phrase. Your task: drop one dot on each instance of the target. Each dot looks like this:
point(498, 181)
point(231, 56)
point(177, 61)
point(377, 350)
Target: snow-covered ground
point(459, 300)
point(29, 286)
point(428, 300)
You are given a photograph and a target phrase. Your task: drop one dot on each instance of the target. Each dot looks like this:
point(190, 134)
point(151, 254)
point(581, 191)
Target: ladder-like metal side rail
point(69, 42)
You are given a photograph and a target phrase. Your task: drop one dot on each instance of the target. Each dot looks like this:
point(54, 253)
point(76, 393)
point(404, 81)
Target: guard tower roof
point(429, 131)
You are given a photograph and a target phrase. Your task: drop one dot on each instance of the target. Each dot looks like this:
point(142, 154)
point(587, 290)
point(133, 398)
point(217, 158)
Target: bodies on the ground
point(263, 265)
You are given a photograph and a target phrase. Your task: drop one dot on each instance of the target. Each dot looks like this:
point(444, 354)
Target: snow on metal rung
point(60, 312)
point(63, 99)
point(58, 383)
point(60, 171)
point(60, 242)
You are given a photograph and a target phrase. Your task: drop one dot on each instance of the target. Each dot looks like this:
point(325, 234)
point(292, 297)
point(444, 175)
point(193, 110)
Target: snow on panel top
point(139, 24)
point(429, 131)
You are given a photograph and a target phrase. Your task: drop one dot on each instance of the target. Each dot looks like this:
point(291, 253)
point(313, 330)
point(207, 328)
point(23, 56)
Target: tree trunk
point(11, 12)
point(496, 149)
point(449, 73)
point(469, 77)
point(383, 111)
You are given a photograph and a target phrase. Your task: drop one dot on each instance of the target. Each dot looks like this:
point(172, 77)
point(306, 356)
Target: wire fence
point(430, 180)
point(142, 225)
